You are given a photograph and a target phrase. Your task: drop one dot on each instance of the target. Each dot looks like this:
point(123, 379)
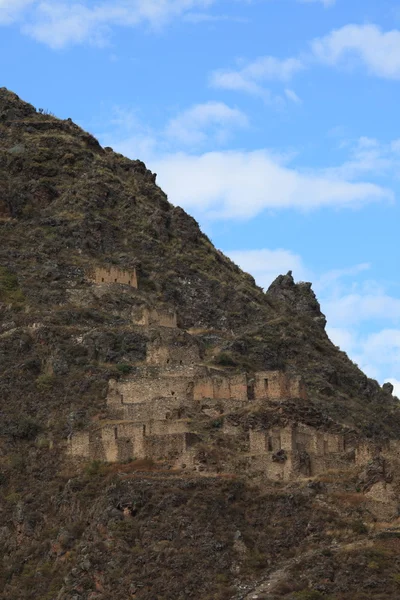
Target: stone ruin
point(149, 413)
point(152, 317)
point(114, 275)
point(150, 416)
point(283, 453)
point(146, 317)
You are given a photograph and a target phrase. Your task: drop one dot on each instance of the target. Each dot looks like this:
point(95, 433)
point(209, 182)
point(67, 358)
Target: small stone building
point(114, 275)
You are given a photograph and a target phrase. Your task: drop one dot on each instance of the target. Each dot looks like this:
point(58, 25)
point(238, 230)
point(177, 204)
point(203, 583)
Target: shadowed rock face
point(299, 297)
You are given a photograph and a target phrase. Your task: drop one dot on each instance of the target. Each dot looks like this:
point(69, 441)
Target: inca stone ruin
point(154, 412)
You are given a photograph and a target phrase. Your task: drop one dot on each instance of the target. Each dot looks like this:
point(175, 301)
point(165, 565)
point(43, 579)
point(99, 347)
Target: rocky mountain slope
point(86, 529)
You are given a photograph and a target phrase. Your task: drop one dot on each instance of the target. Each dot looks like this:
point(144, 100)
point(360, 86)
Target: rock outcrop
point(298, 297)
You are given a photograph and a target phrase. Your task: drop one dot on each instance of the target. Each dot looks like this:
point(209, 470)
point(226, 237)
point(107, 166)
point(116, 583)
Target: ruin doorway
point(250, 390)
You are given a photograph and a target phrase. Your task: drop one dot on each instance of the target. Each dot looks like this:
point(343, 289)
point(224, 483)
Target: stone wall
point(308, 451)
point(157, 410)
point(276, 385)
point(169, 447)
point(114, 275)
point(144, 389)
point(157, 318)
point(79, 444)
point(221, 388)
point(173, 354)
point(120, 441)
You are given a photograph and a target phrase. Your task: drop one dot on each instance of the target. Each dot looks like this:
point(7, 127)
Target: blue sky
point(273, 122)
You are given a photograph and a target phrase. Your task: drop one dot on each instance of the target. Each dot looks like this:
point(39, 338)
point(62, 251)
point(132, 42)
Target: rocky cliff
point(102, 280)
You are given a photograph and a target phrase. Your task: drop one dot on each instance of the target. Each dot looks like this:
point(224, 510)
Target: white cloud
point(59, 23)
point(291, 95)
point(384, 346)
point(354, 308)
point(240, 185)
point(367, 157)
point(265, 265)
point(342, 338)
point(378, 50)
point(233, 184)
point(10, 10)
point(250, 77)
point(193, 125)
point(328, 279)
point(212, 122)
point(351, 317)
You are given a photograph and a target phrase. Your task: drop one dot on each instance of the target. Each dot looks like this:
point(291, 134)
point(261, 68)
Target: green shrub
point(256, 560)
point(124, 369)
point(45, 382)
point(225, 360)
point(9, 287)
point(93, 468)
point(25, 428)
point(359, 527)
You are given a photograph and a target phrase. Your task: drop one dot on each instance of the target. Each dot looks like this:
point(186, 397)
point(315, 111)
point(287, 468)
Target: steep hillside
point(102, 280)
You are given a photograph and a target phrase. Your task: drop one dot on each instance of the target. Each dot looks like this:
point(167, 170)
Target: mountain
point(168, 429)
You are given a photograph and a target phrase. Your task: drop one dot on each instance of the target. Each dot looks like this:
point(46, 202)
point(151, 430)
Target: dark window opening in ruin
point(269, 444)
point(266, 383)
point(167, 361)
point(250, 392)
point(172, 393)
point(181, 362)
point(102, 280)
point(115, 280)
point(144, 429)
point(116, 433)
point(129, 283)
point(326, 447)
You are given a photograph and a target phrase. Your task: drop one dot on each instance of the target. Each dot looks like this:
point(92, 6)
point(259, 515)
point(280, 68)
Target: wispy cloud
point(291, 95)
point(202, 121)
point(266, 264)
point(216, 184)
point(11, 10)
point(235, 184)
point(369, 156)
point(251, 77)
point(59, 23)
point(368, 45)
point(379, 51)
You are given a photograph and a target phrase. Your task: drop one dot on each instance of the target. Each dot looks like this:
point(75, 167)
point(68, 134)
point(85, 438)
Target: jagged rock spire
point(297, 296)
